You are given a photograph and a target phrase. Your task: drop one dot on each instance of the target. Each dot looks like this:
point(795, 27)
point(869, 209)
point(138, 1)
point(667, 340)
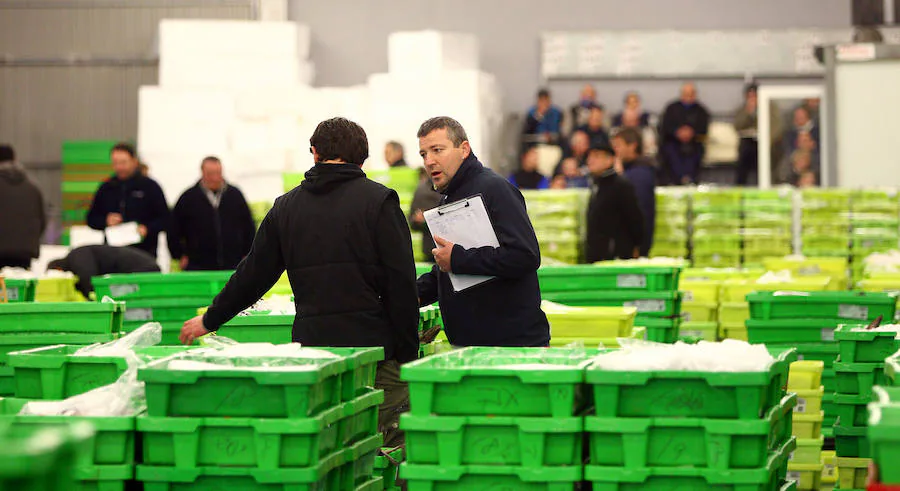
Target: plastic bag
point(149, 334)
point(728, 356)
point(223, 353)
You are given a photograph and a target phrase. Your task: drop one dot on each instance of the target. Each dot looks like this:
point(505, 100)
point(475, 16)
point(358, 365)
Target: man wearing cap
point(615, 226)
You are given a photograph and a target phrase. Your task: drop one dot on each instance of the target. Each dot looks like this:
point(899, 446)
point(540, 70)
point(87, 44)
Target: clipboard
point(467, 223)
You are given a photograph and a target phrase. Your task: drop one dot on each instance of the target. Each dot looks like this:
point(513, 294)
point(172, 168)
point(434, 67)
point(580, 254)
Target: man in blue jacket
point(129, 196)
point(505, 311)
point(640, 170)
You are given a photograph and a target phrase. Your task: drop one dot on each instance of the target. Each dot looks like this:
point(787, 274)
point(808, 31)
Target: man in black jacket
point(615, 227)
point(212, 227)
point(97, 260)
point(22, 217)
point(683, 132)
point(348, 254)
point(505, 311)
point(129, 196)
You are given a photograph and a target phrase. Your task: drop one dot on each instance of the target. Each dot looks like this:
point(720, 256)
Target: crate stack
point(651, 289)
point(558, 220)
point(825, 223)
point(86, 165)
point(736, 309)
point(800, 266)
point(807, 321)
point(430, 318)
point(883, 431)
point(806, 465)
point(768, 225)
point(591, 327)
point(875, 226)
point(705, 285)
point(666, 429)
point(169, 299)
point(671, 231)
point(496, 418)
point(33, 325)
point(21, 288)
point(242, 427)
point(701, 292)
point(41, 458)
point(716, 233)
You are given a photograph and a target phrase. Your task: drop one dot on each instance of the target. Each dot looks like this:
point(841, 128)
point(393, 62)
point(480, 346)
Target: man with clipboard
point(487, 288)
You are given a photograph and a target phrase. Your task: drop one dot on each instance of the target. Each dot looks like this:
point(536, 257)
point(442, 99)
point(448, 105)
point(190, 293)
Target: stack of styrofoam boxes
point(825, 223)
point(558, 221)
point(716, 235)
point(768, 224)
point(805, 466)
point(430, 74)
point(670, 236)
point(875, 226)
point(235, 89)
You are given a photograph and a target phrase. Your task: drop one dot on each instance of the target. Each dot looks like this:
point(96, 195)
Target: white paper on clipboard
point(124, 234)
point(464, 222)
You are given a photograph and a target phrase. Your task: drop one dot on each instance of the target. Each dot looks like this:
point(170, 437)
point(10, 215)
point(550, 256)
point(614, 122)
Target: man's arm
point(634, 219)
point(254, 276)
point(96, 215)
point(399, 295)
point(427, 285)
point(518, 254)
point(175, 236)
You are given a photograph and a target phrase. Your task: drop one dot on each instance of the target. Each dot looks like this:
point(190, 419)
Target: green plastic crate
point(865, 346)
point(480, 381)
point(734, 312)
point(20, 290)
point(786, 331)
point(489, 477)
point(268, 444)
point(53, 372)
point(41, 458)
point(824, 352)
point(103, 478)
point(659, 329)
point(851, 441)
point(809, 451)
point(20, 342)
point(858, 378)
point(275, 329)
point(324, 476)
point(608, 277)
point(163, 309)
point(689, 442)
point(360, 418)
point(766, 478)
point(242, 392)
point(7, 381)
point(884, 433)
point(700, 311)
point(204, 284)
point(68, 318)
point(387, 466)
point(653, 394)
point(486, 440)
point(359, 462)
point(850, 410)
point(704, 331)
point(655, 304)
point(852, 306)
point(87, 151)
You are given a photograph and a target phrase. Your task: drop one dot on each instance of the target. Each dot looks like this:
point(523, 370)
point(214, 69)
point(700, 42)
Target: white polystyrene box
point(430, 52)
point(184, 121)
point(261, 186)
point(231, 72)
point(270, 102)
point(259, 161)
point(284, 133)
point(189, 37)
point(249, 136)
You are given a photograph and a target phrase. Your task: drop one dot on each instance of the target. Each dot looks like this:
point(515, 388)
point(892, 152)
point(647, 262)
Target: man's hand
point(685, 134)
point(442, 253)
point(636, 253)
point(142, 229)
point(419, 217)
point(113, 219)
point(183, 263)
point(192, 330)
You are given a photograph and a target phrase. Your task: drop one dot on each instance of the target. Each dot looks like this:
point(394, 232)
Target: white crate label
point(631, 281)
point(791, 457)
point(686, 316)
point(828, 470)
point(793, 476)
point(809, 270)
point(860, 312)
point(799, 357)
point(801, 405)
point(691, 333)
point(827, 334)
point(647, 305)
point(122, 290)
point(688, 296)
point(12, 294)
point(138, 314)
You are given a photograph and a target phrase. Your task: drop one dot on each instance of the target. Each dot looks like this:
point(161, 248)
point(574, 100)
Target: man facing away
point(348, 254)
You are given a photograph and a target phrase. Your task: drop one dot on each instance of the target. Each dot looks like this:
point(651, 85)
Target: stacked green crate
point(670, 235)
point(825, 223)
point(85, 168)
point(20, 289)
point(800, 266)
point(768, 225)
point(558, 220)
point(735, 309)
point(664, 429)
point(875, 225)
point(310, 424)
point(704, 286)
point(806, 465)
point(33, 325)
point(41, 458)
point(884, 434)
point(170, 299)
point(716, 233)
point(496, 418)
point(700, 308)
point(807, 321)
point(651, 289)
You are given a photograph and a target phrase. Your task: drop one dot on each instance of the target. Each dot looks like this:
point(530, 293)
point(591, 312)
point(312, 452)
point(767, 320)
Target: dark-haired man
point(129, 196)
point(348, 254)
point(505, 311)
point(628, 144)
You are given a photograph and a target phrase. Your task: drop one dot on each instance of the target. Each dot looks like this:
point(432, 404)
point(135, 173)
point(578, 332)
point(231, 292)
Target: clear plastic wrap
point(728, 356)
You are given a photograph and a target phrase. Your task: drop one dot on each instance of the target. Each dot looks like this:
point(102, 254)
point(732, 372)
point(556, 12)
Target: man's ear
point(314, 153)
point(467, 149)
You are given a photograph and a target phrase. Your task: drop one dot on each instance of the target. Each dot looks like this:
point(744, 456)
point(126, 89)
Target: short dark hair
point(210, 158)
point(7, 154)
point(751, 87)
point(543, 93)
point(340, 139)
point(124, 147)
point(397, 146)
point(631, 136)
point(61, 264)
point(455, 131)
